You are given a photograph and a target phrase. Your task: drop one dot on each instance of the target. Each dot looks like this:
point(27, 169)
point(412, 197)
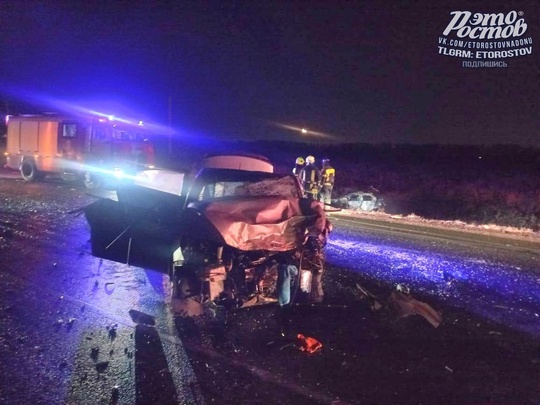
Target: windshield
point(283, 187)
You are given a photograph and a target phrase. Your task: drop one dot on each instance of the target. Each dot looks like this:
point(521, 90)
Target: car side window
point(219, 190)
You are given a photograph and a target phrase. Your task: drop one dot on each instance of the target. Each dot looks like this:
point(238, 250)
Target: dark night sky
point(366, 71)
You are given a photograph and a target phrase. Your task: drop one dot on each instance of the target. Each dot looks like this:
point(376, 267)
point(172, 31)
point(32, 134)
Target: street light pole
point(170, 126)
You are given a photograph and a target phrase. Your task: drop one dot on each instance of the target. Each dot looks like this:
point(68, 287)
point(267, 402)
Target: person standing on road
point(298, 166)
point(310, 176)
point(328, 174)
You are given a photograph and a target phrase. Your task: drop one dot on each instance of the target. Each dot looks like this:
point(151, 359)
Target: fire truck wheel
point(29, 172)
point(92, 181)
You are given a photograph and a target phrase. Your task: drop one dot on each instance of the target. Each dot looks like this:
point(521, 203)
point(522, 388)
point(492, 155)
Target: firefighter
point(310, 176)
point(327, 174)
point(298, 166)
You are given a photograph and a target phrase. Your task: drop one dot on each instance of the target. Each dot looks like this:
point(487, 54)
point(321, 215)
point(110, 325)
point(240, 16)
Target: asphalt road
point(71, 323)
point(75, 329)
point(507, 243)
point(480, 272)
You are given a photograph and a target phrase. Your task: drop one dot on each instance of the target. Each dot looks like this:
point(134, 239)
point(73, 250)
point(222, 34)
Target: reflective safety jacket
point(297, 169)
point(310, 176)
point(328, 174)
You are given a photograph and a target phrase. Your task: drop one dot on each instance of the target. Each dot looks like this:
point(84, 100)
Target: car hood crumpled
point(269, 223)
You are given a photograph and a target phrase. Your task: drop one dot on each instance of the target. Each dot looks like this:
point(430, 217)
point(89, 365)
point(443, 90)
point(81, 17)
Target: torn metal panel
point(374, 302)
point(308, 344)
point(402, 304)
point(270, 224)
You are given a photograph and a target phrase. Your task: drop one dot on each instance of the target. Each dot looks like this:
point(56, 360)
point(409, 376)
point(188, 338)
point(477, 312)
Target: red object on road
point(308, 344)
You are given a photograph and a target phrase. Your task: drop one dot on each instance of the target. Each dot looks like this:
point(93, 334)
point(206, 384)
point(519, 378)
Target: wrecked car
point(234, 234)
point(360, 201)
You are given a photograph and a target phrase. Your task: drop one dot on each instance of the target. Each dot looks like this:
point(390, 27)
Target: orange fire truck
point(94, 149)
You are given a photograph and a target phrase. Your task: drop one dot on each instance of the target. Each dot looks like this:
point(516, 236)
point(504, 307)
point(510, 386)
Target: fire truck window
point(100, 133)
point(69, 130)
point(121, 135)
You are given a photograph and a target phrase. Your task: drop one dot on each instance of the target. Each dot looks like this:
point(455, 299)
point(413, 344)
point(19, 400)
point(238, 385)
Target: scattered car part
point(308, 344)
point(401, 304)
point(405, 305)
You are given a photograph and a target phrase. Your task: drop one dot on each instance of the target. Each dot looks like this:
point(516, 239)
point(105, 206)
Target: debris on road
point(405, 305)
point(102, 366)
point(94, 353)
point(115, 394)
point(112, 331)
point(141, 318)
point(308, 344)
point(110, 287)
point(402, 304)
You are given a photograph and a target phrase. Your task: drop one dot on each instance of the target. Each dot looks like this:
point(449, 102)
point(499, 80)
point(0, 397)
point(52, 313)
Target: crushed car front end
point(229, 237)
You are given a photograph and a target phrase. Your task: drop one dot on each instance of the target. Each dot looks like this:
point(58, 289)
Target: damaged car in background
point(233, 234)
point(361, 201)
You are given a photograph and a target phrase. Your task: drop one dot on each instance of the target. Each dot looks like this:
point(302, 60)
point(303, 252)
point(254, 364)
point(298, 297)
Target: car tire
point(29, 171)
point(69, 177)
point(92, 181)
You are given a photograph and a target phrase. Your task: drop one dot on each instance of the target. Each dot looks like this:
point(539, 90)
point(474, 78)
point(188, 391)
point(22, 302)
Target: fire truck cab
point(93, 149)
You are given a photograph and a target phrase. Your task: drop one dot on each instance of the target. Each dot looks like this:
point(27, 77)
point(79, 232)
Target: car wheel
point(29, 172)
point(92, 181)
point(69, 176)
